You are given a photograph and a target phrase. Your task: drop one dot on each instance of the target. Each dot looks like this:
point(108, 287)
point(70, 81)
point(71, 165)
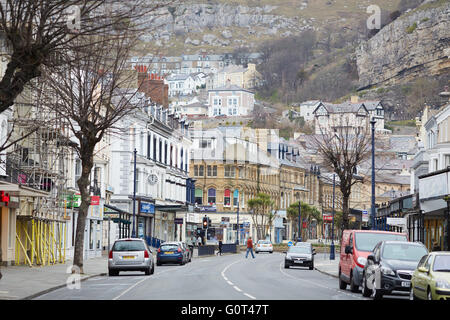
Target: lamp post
point(133, 232)
point(372, 209)
point(447, 225)
point(332, 221)
point(299, 238)
point(237, 229)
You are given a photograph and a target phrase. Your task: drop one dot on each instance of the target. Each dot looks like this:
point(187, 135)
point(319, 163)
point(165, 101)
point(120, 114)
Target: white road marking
point(226, 279)
point(236, 288)
point(230, 283)
point(134, 285)
point(251, 297)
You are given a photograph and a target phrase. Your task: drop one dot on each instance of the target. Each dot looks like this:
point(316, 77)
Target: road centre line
point(231, 283)
point(236, 288)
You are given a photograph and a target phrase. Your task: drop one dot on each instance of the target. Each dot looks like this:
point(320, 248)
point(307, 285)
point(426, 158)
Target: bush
point(411, 29)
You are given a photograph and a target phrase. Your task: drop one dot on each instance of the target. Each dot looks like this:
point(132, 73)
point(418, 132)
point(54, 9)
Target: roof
point(177, 77)
point(371, 105)
point(230, 88)
point(403, 144)
point(232, 68)
point(346, 107)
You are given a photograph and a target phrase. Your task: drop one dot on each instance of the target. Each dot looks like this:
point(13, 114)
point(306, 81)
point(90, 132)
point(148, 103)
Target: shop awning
point(115, 209)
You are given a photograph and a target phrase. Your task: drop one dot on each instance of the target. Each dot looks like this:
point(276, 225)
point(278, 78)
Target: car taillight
point(159, 250)
point(270, 245)
point(146, 254)
point(179, 250)
point(110, 254)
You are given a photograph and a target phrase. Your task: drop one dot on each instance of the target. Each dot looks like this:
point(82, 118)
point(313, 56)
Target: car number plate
point(129, 257)
point(406, 284)
point(168, 252)
point(298, 261)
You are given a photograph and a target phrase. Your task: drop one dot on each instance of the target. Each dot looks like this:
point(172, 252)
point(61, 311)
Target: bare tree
point(36, 32)
point(88, 92)
point(344, 143)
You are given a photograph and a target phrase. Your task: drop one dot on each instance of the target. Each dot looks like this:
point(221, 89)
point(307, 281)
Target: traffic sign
point(290, 243)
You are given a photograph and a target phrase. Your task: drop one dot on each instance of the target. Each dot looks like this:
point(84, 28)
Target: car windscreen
point(366, 241)
point(302, 249)
point(403, 251)
point(169, 247)
point(129, 246)
point(442, 263)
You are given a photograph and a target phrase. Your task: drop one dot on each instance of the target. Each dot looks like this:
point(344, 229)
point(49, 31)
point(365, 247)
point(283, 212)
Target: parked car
point(171, 252)
point(356, 245)
point(431, 279)
point(390, 267)
point(129, 255)
point(299, 256)
point(264, 246)
point(187, 250)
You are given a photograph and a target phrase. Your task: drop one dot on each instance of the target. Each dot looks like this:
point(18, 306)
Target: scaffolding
point(40, 163)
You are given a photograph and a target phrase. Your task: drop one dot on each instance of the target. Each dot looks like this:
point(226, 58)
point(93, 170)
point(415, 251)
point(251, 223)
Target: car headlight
point(362, 261)
point(387, 271)
point(442, 284)
point(288, 257)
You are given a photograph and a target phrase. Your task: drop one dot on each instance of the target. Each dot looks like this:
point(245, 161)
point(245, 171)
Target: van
point(356, 245)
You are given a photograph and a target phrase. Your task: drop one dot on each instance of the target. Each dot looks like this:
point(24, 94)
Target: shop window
point(236, 198)
point(227, 198)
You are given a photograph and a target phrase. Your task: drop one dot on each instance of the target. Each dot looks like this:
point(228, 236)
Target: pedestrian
point(249, 247)
point(436, 246)
point(220, 248)
point(199, 241)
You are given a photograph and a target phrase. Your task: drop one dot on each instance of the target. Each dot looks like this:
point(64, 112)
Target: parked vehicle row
point(386, 263)
point(133, 254)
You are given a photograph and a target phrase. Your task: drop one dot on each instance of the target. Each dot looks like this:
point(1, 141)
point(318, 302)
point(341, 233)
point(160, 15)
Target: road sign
point(396, 222)
point(365, 216)
point(290, 243)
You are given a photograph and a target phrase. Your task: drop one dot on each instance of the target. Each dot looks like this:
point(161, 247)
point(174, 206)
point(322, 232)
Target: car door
point(419, 279)
point(426, 277)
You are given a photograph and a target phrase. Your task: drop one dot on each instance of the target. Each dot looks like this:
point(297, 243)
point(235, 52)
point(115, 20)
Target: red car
point(356, 245)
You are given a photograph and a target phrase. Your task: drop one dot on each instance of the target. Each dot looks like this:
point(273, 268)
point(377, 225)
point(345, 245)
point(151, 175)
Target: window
point(230, 102)
point(205, 144)
point(77, 169)
point(212, 171)
point(230, 171)
point(241, 173)
point(212, 196)
point(234, 111)
point(199, 196)
point(230, 112)
point(227, 198)
point(235, 101)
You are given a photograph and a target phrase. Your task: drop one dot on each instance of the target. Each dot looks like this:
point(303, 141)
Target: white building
point(181, 84)
point(230, 100)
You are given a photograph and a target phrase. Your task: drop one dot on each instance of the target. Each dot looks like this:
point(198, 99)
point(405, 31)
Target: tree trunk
point(83, 185)
point(345, 212)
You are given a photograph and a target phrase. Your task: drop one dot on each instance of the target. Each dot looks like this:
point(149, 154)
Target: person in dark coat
point(220, 248)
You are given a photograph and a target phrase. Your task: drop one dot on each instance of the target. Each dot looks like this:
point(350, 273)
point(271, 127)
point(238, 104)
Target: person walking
point(249, 247)
point(220, 248)
point(199, 241)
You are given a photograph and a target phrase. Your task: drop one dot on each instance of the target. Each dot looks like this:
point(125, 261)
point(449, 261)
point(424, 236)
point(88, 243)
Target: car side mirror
point(349, 250)
point(313, 253)
point(423, 269)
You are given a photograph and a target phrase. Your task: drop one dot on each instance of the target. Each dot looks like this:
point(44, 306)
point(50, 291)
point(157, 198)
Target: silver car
point(264, 246)
point(130, 255)
point(300, 256)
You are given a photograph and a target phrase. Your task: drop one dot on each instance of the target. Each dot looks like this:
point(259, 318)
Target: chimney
point(354, 99)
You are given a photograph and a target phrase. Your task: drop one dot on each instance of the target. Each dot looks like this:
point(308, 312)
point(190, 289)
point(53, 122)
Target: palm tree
point(262, 213)
point(308, 213)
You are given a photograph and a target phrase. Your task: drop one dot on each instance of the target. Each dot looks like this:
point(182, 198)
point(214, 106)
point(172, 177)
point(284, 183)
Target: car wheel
point(271, 251)
point(286, 265)
point(311, 267)
point(147, 271)
point(376, 294)
point(365, 291)
point(429, 294)
point(342, 283)
point(112, 273)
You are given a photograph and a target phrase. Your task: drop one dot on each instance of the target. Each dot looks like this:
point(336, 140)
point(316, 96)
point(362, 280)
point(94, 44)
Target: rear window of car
point(264, 241)
point(442, 263)
point(169, 247)
point(366, 241)
point(129, 246)
point(403, 251)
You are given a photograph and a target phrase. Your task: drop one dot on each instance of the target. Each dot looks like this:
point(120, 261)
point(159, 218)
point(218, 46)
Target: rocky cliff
point(415, 44)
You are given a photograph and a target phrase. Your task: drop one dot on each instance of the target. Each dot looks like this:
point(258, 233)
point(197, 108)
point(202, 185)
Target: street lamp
point(372, 209)
point(299, 238)
point(237, 229)
point(133, 232)
point(332, 223)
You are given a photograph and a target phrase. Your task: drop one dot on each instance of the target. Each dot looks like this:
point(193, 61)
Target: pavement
point(24, 282)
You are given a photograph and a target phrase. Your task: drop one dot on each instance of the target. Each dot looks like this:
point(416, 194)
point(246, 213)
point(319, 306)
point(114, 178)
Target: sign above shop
point(178, 220)
point(147, 207)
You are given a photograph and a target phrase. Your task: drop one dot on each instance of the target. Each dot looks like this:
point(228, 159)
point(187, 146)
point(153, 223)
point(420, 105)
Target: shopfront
point(146, 219)
point(434, 201)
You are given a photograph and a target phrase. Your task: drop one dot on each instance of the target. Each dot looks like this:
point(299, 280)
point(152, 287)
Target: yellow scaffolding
point(40, 242)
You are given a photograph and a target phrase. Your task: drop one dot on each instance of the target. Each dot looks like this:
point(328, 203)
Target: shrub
point(411, 29)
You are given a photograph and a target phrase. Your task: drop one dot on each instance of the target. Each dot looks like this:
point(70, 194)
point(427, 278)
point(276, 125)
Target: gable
point(321, 110)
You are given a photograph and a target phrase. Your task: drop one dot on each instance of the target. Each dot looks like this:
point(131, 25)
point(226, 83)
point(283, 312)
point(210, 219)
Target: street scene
point(223, 150)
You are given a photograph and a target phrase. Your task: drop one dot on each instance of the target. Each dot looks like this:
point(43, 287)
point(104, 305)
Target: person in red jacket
point(249, 247)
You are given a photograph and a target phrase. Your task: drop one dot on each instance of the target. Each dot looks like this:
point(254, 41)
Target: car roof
point(130, 239)
point(403, 242)
point(171, 242)
point(303, 244)
point(374, 231)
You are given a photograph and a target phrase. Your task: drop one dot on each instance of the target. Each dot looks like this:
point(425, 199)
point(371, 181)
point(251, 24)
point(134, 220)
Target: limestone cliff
point(415, 44)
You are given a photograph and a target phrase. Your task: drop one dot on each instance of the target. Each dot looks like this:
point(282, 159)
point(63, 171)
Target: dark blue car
point(170, 253)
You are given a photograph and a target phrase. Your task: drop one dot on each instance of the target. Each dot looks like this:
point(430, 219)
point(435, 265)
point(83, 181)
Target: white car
point(264, 246)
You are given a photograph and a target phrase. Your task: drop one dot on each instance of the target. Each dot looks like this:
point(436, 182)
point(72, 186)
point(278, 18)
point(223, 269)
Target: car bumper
point(264, 249)
point(390, 285)
point(169, 258)
point(441, 294)
point(299, 262)
point(129, 267)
